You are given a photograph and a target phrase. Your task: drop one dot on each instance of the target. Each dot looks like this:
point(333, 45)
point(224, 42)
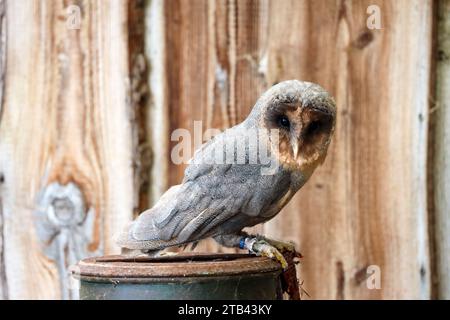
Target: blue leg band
point(242, 243)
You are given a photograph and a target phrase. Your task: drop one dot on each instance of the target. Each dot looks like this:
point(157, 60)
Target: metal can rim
point(184, 265)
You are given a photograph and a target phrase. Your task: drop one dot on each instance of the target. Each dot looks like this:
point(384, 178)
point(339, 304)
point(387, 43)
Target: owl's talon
point(263, 248)
point(282, 245)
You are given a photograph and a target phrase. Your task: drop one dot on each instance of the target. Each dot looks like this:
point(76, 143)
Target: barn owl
point(219, 199)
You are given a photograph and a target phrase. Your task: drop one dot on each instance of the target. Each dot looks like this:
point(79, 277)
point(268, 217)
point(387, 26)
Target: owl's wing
point(211, 194)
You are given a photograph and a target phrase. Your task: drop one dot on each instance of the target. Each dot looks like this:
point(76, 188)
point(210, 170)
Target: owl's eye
point(283, 122)
point(313, 127)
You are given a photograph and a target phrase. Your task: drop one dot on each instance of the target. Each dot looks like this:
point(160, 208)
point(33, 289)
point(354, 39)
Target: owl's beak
point(294, 145)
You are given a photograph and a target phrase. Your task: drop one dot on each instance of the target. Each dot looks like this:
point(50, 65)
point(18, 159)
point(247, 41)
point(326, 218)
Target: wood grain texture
point(3, 279)
point(212, 49)
point(138, 95)
point(367, 205)
point(441, 153)
point(157, 116)
point(78, 108)
point(67, 142)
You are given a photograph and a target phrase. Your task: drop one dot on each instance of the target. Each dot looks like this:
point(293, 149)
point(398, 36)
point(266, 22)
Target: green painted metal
point(246, 287)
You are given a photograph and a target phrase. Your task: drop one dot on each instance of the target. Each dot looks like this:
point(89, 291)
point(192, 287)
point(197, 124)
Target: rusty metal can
point(182, 276)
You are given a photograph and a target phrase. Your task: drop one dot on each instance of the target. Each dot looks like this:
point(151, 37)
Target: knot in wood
point(63, 210)
point(65, 205)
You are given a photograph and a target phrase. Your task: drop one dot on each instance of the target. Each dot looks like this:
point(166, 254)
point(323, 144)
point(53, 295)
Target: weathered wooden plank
point(67, 147)
point(187, 66)
point(441, 152)
point(212, 48)
point(158, 120)
point(138, 102)
point(3, 280)
point(367, 204)
point(190, 35)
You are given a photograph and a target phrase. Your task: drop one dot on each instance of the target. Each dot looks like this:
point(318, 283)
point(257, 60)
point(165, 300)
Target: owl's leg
point(255, 244)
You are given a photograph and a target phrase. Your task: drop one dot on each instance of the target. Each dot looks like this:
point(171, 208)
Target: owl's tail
point(143, 233)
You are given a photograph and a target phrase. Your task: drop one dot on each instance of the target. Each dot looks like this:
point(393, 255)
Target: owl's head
point(305, 115)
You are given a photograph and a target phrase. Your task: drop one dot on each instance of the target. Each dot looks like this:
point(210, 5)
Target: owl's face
point(305, 117)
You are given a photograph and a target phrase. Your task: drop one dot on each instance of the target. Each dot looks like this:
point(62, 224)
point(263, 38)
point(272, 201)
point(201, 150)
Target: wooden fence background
point(87, 111)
